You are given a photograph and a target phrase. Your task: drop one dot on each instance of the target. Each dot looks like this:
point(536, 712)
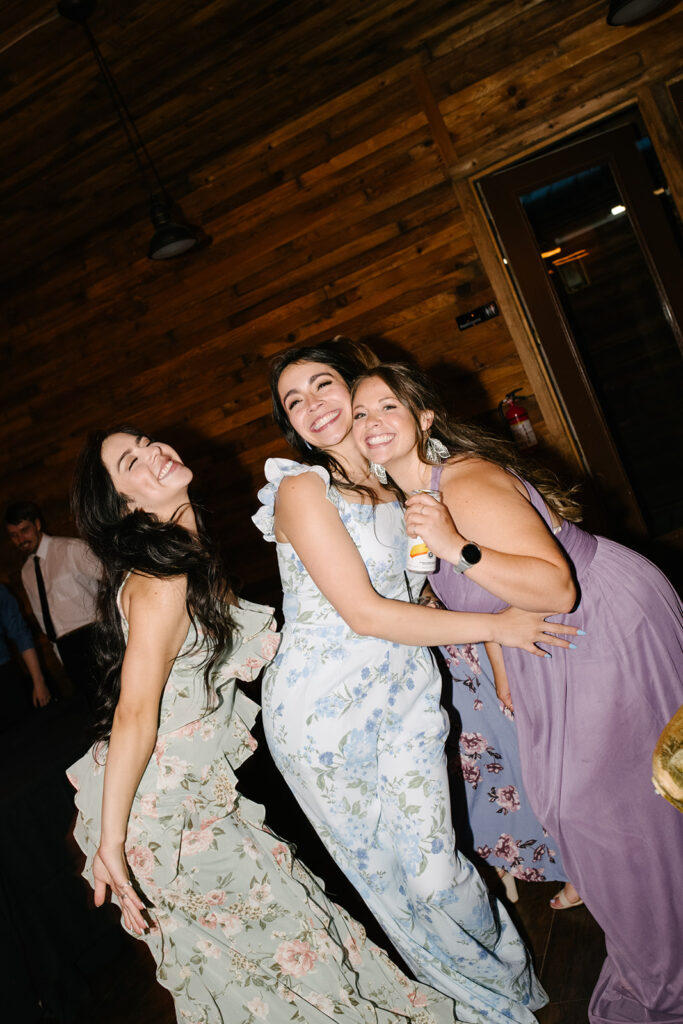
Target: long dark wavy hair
point(349, 358)
point(138, 541)
point(414, 389)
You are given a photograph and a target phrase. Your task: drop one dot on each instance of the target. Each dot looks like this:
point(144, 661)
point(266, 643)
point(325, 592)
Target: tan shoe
point(509, 884)
point(561, 901)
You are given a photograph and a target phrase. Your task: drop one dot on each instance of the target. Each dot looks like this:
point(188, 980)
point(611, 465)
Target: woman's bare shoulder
point(480, 477)
point(301, 485)
point(144, 590)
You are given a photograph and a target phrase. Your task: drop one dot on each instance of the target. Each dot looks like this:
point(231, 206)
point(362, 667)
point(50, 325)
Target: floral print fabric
point(241, 932)
point(356, 728)
point(483, 753)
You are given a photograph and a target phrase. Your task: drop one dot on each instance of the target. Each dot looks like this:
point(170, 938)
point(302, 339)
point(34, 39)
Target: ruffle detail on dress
point(255, 645)
point(87, 777)
point(226, 744)
point(276, 470)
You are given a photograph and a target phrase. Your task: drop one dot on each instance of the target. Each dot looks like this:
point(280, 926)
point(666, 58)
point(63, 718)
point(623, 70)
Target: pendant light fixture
point(625, 12)
point(170, 237)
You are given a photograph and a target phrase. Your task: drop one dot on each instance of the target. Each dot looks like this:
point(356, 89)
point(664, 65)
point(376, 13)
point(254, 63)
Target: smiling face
point(384, 429)
point(151, 475)
point(26, 535)
point(317, 403)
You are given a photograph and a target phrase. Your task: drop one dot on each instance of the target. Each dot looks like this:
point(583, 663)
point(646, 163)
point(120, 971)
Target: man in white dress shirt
point(60, 577)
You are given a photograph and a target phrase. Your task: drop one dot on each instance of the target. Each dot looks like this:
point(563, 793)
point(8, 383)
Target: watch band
point(470, 555)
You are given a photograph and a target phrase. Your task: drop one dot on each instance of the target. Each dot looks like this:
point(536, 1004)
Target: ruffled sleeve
point(276, 470)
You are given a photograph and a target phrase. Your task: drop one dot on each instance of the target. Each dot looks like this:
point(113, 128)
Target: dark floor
point(568, 948)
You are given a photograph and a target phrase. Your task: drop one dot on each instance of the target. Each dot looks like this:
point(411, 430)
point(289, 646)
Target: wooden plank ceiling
point(295, 133)
point(214, 88)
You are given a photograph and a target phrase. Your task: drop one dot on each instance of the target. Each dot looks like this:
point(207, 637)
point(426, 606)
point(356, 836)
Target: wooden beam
point(664, 128)
point(477, 224)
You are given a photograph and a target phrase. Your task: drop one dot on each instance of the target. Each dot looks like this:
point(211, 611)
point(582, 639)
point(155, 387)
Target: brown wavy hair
point(414, 389)
point(350, 359)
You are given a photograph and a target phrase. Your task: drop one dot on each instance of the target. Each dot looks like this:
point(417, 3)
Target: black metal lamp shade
point(624, 12)
point(170, 238)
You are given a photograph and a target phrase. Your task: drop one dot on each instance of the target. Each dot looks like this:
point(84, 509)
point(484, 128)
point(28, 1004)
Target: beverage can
point(420, 558)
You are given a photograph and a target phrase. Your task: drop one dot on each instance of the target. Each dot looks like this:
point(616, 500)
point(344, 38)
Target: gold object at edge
point(667, 762)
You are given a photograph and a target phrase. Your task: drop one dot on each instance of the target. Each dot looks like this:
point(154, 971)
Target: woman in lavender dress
point(588, 720)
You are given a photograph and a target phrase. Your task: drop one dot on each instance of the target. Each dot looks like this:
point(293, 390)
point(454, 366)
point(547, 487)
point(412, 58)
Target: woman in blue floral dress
point(483, 757)
point(354, 723)
point(240, 931)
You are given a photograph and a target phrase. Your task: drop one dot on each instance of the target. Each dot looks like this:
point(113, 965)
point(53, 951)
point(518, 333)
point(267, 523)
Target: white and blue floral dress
point(355, 726)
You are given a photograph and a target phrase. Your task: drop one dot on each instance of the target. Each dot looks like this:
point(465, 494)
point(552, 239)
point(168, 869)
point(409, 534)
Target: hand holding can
point(420, 558)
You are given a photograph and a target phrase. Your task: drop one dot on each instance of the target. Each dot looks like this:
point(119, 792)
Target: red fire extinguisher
point(517, 419)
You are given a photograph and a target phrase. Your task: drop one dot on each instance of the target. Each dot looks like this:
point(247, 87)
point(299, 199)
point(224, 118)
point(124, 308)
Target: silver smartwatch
point(469, 557)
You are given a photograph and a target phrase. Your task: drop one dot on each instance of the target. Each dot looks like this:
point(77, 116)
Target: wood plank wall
point(327, 151)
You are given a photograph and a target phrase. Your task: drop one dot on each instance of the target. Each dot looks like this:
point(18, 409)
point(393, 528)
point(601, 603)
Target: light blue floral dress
point(483, 753)
point(356, 728)
point(241, 931)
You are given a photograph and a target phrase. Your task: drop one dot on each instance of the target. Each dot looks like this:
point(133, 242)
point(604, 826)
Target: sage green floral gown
point(241, 931)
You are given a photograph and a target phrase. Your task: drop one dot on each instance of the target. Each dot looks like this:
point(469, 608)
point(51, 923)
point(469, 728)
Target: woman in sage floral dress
point(240, 931)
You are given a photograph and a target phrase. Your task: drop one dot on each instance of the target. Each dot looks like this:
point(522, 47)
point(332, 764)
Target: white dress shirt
point(71, 573)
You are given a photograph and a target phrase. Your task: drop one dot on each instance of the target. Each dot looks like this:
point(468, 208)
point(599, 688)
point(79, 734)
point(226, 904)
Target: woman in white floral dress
point(240, 931)
point(354, 723)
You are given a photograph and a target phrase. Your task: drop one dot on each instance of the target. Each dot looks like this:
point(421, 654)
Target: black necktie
point(44, 606)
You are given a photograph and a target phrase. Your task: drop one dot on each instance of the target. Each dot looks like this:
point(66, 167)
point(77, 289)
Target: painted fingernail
point(573, 647)
point(546, 655)
point(580, 632)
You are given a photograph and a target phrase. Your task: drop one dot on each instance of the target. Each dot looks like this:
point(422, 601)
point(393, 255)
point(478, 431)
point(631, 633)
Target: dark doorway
point(593, 243)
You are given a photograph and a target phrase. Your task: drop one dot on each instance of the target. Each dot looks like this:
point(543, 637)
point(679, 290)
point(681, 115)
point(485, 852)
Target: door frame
point(500, 191)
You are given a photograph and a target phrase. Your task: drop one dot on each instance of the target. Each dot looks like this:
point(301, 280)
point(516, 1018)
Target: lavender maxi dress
point(588, 721)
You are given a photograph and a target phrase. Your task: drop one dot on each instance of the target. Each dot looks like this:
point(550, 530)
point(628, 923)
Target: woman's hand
point(40, 697)
point(517, 628)
point(110, 869)
point(430, 519)
point(500, 676)
point(503, 694)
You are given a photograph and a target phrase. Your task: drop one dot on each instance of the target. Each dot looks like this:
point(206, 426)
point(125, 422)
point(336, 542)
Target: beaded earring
point(436, 451)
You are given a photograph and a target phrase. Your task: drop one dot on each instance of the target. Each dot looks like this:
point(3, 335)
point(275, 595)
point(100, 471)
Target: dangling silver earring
point(378, 471)
point(436, 451)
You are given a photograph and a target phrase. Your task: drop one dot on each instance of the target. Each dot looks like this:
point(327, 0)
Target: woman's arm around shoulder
point(306, 519)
